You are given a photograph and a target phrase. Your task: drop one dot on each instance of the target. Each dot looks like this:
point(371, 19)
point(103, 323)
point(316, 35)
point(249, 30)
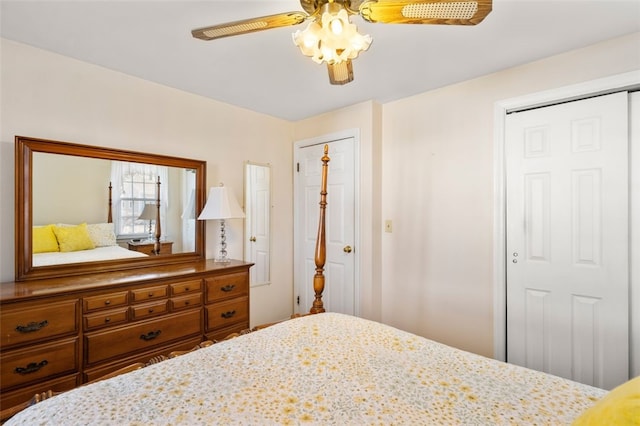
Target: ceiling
point(265, 72)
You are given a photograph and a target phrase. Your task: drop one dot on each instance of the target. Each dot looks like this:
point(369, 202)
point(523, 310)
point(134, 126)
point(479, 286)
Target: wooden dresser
point(59, 333)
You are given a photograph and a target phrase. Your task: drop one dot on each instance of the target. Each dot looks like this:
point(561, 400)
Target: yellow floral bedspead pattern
point(327, 369)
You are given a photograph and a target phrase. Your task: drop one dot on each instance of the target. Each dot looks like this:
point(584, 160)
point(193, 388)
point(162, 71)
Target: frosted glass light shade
point(334, 40)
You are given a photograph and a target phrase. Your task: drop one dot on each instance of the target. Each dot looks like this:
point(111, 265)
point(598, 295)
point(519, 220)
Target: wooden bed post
point(157, 245)
point(321, 249)
point(109, 215)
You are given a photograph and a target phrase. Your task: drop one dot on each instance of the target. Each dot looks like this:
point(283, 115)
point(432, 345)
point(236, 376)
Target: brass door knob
point(252, 239)
point(347, 249)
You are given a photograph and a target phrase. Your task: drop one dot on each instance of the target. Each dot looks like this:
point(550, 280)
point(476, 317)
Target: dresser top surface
point(23, 290)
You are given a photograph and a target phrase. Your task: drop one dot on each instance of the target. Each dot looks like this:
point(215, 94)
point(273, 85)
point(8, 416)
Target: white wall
point(54, 97)
point(437, 180)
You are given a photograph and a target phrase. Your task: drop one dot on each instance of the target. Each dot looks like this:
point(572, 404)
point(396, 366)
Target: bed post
point(321, 249)
point(109, 215)
point(157, 245)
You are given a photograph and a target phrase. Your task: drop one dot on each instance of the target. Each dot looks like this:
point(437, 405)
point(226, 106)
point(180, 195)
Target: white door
point(339, 292)
point(258, 211)
point(568, 239)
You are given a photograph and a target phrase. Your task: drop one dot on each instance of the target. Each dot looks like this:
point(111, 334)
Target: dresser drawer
point(186, 302)
point(227, 313)
point(105, 301)
point(148, 293)
point(227, 286)
point(149, 310)
point(23, 366)
point(121, 341)
point(181, 288)
point(25, 393)
point(106, 318)
point(102, 370)
point(24, 323)
point(220, 334)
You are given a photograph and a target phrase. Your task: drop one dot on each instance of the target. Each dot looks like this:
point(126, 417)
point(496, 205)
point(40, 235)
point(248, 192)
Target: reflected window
point(135, 185)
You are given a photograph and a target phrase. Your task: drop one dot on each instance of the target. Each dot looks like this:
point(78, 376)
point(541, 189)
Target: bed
point(63, 243)
point(322, 368)
point(301, 371)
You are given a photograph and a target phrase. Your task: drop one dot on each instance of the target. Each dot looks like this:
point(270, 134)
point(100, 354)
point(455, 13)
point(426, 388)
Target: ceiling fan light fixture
point(334, 40)
point(330, 37)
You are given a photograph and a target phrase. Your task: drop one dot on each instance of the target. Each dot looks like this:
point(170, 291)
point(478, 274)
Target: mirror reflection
point(257, 199)
point(116, 204)
point(64, 192)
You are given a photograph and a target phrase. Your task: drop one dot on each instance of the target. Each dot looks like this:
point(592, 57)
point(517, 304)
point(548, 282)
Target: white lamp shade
point(149, 212)
point(221, 204)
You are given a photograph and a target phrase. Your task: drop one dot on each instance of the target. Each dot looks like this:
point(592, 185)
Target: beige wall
point(54, 97)
point(431, 155)
point(53, 175)
point(437, 276)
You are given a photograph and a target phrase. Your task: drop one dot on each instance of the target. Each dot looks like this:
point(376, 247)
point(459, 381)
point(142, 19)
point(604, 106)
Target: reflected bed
point(93, 255)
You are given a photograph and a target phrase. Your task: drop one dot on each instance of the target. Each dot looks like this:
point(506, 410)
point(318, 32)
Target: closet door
point(568, 239)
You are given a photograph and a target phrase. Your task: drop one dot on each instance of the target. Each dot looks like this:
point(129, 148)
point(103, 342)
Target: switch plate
point(388, 226)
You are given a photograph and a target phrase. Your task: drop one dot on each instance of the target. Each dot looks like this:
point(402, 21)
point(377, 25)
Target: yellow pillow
point(621, 406)
point(44, 240)
point(73, 238)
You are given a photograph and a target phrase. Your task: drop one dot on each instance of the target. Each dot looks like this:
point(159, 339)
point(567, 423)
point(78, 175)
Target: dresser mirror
point(257, 207)
point(66, 191)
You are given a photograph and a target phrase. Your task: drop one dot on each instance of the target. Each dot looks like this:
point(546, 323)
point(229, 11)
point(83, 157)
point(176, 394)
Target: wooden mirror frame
point(24, 149)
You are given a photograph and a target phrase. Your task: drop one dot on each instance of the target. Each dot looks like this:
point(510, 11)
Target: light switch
point(388, 227)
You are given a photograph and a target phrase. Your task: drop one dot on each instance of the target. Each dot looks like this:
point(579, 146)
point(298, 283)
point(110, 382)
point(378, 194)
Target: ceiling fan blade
point(445, 12)
point(341, 73)
point(249, 25)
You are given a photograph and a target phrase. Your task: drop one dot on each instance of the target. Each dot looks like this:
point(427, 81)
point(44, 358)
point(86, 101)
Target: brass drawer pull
point(107, 319)
point(228, 287)
point(150, 335)
point(228, 314)
point(32, 326)
point(107, 302)
point(32, 367)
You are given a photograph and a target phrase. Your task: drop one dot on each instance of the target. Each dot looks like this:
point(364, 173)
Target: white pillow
point(102, 234)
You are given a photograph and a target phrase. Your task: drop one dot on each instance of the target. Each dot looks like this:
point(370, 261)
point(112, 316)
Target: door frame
point(328, 138)
point(596, 87)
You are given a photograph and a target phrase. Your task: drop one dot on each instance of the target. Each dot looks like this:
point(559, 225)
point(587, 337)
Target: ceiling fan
point(333, 39)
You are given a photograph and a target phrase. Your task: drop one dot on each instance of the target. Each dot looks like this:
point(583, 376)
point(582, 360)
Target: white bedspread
point(328, 369)
point(96, 254)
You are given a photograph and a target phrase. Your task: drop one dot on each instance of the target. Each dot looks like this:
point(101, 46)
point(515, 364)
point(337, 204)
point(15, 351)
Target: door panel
point(339, 270)
point(567, 239)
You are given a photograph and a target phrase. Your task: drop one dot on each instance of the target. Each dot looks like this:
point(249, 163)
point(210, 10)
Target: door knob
point(347, 249)
point(252, 239)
